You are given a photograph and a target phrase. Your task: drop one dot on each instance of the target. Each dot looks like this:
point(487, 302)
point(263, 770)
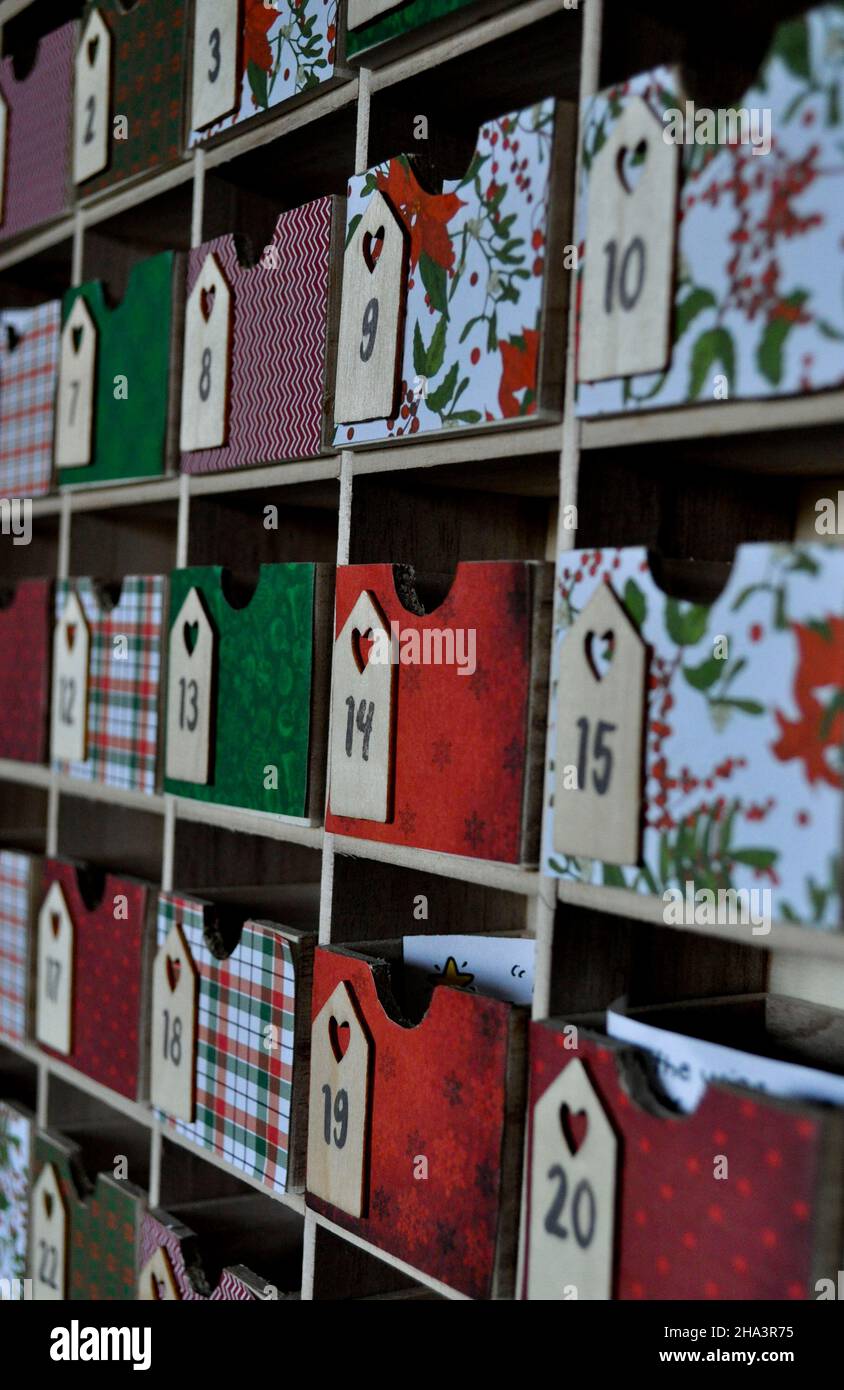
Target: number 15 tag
point(372, 316)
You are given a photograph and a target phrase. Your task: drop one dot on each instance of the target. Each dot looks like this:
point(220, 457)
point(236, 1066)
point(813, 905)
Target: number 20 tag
point(630, 239)
point(190, 693)
point(370, 345)
point(600, 716)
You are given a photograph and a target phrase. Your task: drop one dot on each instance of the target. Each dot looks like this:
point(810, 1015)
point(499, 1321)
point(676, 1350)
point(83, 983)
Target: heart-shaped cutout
point(174, 970)
point(76, 335)
point(93, 49)
point(630, 165)
point(190, 633)
point(362, 644)
point(373, 245)
point(13, 337)
point(55, 923)
point(48, 1204)
point(206, 301)
point(339, 1035)
point(574, 1124)
point(600, 650)
point(70, 635)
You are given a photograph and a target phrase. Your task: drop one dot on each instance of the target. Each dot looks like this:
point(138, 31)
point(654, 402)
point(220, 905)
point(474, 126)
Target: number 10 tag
point(372, 316)
point(190, 693)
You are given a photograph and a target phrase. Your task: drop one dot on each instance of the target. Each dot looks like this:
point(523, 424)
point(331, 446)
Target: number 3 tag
point(207, 366)
point(190, 693)
point(362, 711)
point(372, 316)
point(600, 716)
point(630, 238)
point(215, 69)
point(173, 1033)
point(69, 705)
point(338, 1109)
point(572, 1192)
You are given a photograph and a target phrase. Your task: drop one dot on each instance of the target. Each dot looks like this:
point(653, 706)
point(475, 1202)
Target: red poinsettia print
point(426, 215)
point(519, 358)
point(820, 726)
point(257, 22)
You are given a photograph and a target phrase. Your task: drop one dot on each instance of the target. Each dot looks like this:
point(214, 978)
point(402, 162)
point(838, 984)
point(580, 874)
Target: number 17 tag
point(190, 693)
point(372, 316)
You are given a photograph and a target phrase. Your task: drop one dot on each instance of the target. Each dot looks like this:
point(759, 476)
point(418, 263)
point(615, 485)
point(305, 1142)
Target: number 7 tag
point(369, 351)
point(77, 386)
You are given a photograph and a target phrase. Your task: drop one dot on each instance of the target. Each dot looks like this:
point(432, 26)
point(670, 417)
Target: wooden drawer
point(30, 341)
point(25, 610)
point(37, 87)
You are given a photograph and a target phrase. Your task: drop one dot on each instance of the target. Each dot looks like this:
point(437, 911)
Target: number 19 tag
point(372, 316)
point(338, 1109)
point(190, 693)
point(175, 988)
point(572, 1192)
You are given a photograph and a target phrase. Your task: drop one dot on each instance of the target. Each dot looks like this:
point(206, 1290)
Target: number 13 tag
point(574, 1153)
point(190, 693)
point(600, 716)
point(338, 1109)
point(369, 350)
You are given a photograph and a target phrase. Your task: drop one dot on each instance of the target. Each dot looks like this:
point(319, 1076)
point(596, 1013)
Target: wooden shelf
point(717, 420)
point(434, 1284)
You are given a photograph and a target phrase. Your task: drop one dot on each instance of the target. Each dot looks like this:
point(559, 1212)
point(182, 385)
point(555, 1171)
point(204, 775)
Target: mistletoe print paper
point(479, 346)
point(744, 726)
point(759, 235)
point(287, 49)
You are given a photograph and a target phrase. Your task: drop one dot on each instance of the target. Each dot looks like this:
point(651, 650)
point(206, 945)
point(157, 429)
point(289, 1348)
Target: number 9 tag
point(370, 345)
point(338, 1108)
point(191, 670)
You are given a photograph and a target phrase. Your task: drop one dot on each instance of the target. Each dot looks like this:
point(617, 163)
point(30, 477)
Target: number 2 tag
point(362, 712)
point(77, 387)
point(55, 973)
point(174, 999)
point(48, 1237)
point(372, 316)
point(600, 717)
point(630, 238)
point(92, 100)
point(190, 692)
point(207, 360)
point(572, 1192)
point(215, 70)
point(338, 1109)
point(69, 704)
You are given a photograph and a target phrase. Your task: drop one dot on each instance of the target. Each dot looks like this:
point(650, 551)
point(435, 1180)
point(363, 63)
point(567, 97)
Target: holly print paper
point(15, 1159)
point(476, 281)
point(744, 726)
point(759, 236)
point(287, 49)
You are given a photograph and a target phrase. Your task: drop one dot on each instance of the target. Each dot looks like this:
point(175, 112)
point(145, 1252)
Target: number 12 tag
point(175, 989)
point(190, 693)
point(338, 1108)
point(69, 705)
point(572, 1192)
point(372, 316)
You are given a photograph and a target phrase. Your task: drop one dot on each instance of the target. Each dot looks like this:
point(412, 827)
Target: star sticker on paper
point(452, 974)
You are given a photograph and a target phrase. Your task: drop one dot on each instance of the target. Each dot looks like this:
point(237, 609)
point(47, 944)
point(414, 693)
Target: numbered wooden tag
point(572, 1192)
point(206, 372)
point(369, 351)
point(92, 100)
point(48, 1237)
point(630, 241)
point(55, 973)
point(362, 713)
point(4, 150)
point(69, 712)
point(600, 718)
point(364, 11)
point(190, 693)
point(338, 1114)
point(216, 74)
point(175, 992)
point(156, 1281)
point(77, 388)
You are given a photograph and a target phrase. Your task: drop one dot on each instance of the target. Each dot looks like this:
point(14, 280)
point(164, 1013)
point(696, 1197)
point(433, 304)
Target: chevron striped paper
point(279, 333)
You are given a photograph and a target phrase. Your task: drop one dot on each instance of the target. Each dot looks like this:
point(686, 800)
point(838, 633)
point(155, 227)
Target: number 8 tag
point(370, 345)
point(206, 370)
point(191, 669)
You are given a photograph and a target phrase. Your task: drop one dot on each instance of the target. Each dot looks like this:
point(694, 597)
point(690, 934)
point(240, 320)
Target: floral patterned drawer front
point(287, 50)
point(743, 749)
point(38, 142)
point(479, 345)
point(759, 236)
point(15, 1161)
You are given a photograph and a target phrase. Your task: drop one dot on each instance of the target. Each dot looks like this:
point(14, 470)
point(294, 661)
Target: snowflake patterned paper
point(759, 239)
point(479, 331)
point(744, 765)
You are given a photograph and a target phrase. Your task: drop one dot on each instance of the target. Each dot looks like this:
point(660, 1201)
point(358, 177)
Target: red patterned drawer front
point(440, 1091)
point(25, 671)
point(464, 749)
point(39, 132)
point(111, 967)
point(682, 1231)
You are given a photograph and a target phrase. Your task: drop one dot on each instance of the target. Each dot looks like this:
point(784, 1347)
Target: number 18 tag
point(372, 316)
point(190, 693)
point(175, 988)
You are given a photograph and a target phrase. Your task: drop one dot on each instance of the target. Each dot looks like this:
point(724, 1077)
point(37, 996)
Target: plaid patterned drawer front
point(243, 1091)
point(29, 365)
point(122, 694)
point(15, 878)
